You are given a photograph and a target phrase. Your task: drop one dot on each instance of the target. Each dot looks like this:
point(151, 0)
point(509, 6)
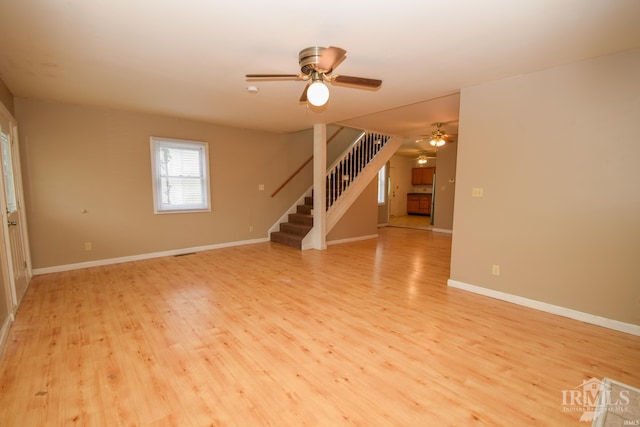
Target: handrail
point(297, 171)
point(347, 150)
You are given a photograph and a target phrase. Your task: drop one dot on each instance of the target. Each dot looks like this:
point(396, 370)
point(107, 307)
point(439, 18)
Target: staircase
point(300, 223)
point(345, 180)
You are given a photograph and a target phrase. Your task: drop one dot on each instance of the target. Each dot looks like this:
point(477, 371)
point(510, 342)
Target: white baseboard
point(97, 263)
point(4, 333)
point(353, 239)
point(628, 328)
point(442, 230)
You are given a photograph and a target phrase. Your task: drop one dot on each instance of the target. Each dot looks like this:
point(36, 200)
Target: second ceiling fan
point(316, 66)
point(438, 137)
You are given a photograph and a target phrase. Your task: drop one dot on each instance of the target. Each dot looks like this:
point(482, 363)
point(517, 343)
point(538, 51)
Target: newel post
point(319, 236)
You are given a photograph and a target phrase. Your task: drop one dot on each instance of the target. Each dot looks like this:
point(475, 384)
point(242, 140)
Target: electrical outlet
point(495, 270)
point(260, 187)
point(87, 246)
point(477, 192)
point(251, 229)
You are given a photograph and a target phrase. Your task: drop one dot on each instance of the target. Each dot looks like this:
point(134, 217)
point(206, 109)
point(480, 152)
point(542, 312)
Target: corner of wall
point(6, 97)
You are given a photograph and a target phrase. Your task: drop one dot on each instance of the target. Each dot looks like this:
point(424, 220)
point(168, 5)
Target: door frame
point(6, 256)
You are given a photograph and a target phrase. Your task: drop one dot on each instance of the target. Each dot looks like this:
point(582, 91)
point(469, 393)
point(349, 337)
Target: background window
point(7, 160)
point(180, 175)
point(382, 185)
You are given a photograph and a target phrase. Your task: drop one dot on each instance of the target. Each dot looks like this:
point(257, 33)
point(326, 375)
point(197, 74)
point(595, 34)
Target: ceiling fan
point(423, 158)
point(317, 65)
point(439, 137)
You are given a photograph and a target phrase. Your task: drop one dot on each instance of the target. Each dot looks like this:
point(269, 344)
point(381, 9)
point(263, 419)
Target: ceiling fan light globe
point(318, 94)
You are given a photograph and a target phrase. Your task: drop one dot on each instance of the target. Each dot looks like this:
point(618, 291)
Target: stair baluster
point(346, 169)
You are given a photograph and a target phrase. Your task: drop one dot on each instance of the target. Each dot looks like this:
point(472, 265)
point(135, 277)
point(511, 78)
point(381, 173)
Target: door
point(395, 199)
point(15, 235)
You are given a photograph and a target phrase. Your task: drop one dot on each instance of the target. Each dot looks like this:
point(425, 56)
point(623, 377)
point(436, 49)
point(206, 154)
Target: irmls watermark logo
point(594, 398)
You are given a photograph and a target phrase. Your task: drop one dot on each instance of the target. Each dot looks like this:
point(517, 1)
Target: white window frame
point(156, 144)
point(9, 184)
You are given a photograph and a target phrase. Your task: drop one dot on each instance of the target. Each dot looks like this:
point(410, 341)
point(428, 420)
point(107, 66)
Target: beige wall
point(337, 145)
point(556, 153)
point(445, 186)
point(362, 217)
point(6, 97)
point(80, 158)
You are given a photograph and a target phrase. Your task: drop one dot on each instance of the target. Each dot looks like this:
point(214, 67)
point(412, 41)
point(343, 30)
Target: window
point(382, 187)
point(180, 175)
point(7, 160)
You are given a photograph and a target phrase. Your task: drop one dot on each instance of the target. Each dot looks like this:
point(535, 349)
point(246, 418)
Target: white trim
point(442, 230)
point(353, 239)
point(202, 147)
point(4, 333)
point(603, 402)
point(317, 237)
point(97, 263)
point(628, 328)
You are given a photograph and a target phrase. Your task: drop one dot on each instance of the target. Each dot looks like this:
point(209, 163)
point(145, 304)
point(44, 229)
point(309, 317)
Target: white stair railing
point(356, 157)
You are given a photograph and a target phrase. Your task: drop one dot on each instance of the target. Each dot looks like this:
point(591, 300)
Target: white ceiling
point(189, 58)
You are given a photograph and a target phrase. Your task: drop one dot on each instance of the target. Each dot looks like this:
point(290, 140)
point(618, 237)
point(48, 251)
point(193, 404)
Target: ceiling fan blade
point(272, 76)
point(358, 81)
point(330, 58)
point(303, 97)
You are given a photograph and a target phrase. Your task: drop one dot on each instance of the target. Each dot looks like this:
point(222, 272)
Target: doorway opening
point(420, 222)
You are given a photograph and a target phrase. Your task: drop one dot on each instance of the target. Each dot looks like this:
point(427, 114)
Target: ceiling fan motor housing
point(317, 64)
point(309, 58)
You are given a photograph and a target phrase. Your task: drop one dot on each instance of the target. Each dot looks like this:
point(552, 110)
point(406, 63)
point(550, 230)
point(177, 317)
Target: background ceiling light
point(318, 94)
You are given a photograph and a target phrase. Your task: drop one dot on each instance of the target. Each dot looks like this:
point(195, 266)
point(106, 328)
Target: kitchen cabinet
point(419, 203)
point(413, 204)
point(422, 176)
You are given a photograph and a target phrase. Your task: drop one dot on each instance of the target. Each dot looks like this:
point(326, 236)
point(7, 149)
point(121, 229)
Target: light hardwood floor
point(411, 221)
point(364, 333)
